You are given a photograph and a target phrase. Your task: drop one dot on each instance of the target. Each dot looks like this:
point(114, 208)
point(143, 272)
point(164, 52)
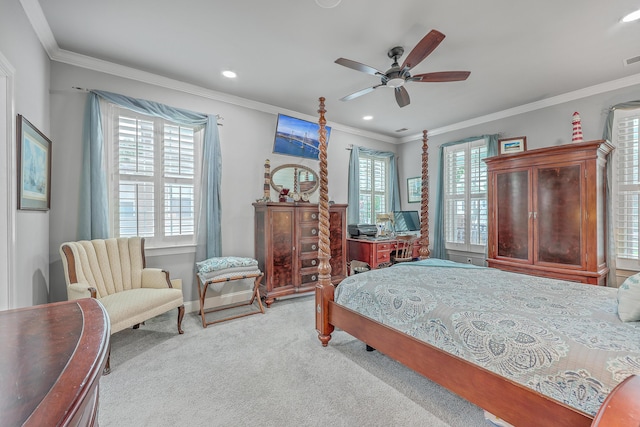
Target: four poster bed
point(513, 367)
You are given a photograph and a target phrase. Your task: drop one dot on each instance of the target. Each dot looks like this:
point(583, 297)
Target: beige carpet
point(265, 370)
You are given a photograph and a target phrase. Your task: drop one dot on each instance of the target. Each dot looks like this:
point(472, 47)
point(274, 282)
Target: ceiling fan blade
point(360, 93)
point(358, 66)
point(423, 49)
point(441, 76)
point(402, 96)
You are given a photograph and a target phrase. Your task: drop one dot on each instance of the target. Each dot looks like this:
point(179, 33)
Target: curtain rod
point(217, 116)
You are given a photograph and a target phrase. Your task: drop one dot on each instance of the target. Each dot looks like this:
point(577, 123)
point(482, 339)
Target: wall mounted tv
point(405, 221)
point(297, 137)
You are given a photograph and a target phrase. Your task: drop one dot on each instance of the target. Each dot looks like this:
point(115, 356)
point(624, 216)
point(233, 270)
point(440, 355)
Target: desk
point(375, 251)
point(51, 360)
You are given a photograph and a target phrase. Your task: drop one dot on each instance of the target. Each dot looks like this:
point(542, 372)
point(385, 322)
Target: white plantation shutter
point(465, 196)
point(373, 188)
point(179, 190)
point(627, 187)
point(153, 187)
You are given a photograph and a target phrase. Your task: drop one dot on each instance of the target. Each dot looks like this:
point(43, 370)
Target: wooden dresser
point(286, 247)
point(51, 361)
point(547, 213)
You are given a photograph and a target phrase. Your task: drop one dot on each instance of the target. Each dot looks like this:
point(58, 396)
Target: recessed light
point(229, 74)
point(328, 4)
point(633, 16)
point(367, 118)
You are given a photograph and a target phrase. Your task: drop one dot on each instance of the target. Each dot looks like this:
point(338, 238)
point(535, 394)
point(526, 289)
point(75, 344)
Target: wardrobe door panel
point(513, 209)
point(559, 215)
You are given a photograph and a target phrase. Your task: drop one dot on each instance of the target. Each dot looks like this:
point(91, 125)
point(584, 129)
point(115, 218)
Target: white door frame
point(8, 190)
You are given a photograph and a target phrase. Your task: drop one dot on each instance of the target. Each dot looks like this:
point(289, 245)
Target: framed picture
point(512, 145)
point(34, 167)
point(414, 189)
point(297, 137)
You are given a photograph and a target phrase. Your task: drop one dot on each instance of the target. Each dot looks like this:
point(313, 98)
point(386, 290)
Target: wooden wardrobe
point(547, 212)
point(286, 247)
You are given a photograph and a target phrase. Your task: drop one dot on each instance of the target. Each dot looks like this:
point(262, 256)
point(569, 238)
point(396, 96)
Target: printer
point(356, 230)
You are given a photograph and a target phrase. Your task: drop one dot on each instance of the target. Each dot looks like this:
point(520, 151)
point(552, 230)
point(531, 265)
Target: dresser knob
point(314, 216)
point(313, 278)
point(314, 247)
point(313, 262)
point(314, 231)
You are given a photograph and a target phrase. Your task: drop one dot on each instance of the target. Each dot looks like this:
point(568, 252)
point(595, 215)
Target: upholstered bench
point(219, 270)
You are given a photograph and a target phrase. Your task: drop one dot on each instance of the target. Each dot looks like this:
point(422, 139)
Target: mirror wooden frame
point(299, 167)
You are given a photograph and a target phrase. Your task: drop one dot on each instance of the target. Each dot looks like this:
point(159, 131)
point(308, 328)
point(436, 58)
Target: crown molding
point(537, 105)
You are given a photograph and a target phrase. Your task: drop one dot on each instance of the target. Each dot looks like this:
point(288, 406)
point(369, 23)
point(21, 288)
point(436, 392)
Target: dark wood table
point(51, 360)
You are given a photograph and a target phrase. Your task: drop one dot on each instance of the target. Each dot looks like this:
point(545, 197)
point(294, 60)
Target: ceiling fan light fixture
point(395, 82)
point(367, 118)
point(229, 74)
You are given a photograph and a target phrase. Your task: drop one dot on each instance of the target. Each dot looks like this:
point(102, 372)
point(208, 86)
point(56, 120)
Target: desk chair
point(404, 249)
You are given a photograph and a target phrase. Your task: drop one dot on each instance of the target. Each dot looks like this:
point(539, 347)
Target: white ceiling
point(284, 50)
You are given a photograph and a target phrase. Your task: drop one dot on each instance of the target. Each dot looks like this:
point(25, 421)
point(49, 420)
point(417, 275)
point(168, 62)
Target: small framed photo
point(34, 167)
point(414, 189)
point(512, 145)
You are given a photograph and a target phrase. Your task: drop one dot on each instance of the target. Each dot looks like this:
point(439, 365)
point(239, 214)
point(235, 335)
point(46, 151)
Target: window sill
point(169, 250)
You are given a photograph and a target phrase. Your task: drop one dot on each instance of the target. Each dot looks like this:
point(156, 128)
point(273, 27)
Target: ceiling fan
point(396, 76)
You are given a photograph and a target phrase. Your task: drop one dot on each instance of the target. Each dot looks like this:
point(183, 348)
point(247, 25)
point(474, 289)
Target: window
point(626, 191)
point(153, 178)
point(374, 186)
point(465, 196)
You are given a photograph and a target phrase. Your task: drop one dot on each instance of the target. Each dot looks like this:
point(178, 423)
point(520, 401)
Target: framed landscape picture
point(512, 145)
point(297, 137)
point(414, 189)
point(34, 167)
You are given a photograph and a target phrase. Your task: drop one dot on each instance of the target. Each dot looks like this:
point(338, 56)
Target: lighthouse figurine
point(577, 128)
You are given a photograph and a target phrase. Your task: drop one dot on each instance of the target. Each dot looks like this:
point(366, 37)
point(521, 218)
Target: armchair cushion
point(137, 305)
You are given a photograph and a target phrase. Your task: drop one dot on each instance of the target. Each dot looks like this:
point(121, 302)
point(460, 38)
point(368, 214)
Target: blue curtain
point(439, 249)
point(353, 209)
point(606, 135)
point(94, 208)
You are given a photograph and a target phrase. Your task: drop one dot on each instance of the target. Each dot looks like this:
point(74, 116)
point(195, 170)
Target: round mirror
point(297, 178)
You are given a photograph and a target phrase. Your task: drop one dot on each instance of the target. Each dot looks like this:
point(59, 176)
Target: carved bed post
point(424, 204)
point(324, 288)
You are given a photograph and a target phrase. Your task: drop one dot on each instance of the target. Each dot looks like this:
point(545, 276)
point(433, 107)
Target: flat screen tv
point(297, 137)
point(405, 221)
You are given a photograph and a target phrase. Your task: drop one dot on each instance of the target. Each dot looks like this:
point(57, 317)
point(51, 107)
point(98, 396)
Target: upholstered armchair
point(114, 272)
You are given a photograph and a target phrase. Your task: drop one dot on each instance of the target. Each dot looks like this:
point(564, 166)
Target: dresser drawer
point(381, 247)
point(383, 256)
point(309, 215)
point(309, 229)
point(309, 263)
point(307, 278)
point(309, 246)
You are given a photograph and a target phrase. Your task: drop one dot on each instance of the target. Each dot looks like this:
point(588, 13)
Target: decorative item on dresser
point(547, 214)
point(286, 247)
